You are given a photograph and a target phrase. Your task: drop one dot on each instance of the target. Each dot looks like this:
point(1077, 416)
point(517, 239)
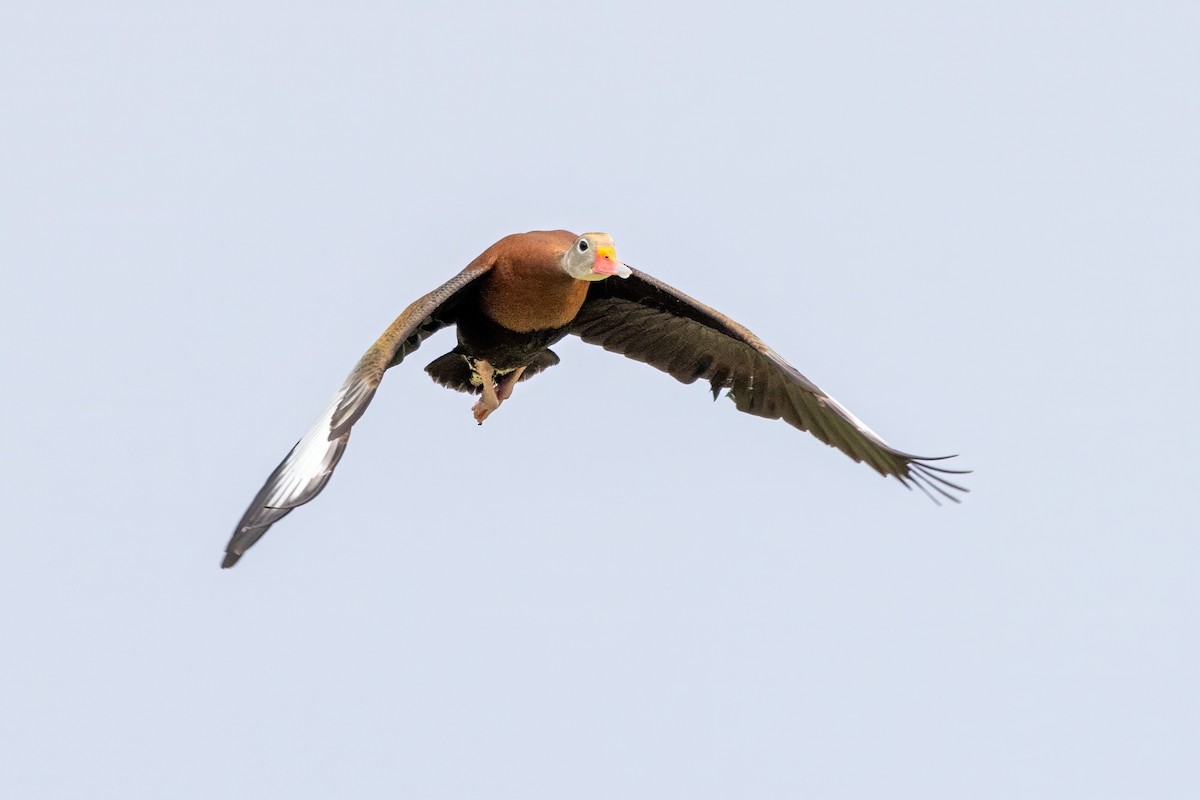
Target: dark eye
point(583, 245)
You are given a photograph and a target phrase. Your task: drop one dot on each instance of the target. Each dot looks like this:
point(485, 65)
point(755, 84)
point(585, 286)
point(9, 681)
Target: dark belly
point(480, 337)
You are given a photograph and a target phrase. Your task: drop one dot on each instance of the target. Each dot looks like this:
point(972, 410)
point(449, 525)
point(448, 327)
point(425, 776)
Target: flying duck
point(528, 291)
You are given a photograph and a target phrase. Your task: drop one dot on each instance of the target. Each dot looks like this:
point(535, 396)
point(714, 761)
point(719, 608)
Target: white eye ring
point(583, 245)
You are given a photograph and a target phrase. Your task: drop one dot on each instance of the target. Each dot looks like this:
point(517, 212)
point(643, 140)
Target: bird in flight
point(528, 291)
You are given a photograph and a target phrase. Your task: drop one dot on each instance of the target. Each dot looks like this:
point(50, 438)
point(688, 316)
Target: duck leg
point(488, 401)
point(504, 388)
point(494, 392)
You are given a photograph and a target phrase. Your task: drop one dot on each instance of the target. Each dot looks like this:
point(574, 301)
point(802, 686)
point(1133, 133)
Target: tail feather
point(453, 370)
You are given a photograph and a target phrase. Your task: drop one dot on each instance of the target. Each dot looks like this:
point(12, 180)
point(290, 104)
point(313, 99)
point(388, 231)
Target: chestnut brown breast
point(527, 289)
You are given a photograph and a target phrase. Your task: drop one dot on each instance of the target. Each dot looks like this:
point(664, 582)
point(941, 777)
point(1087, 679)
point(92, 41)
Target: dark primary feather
point(304, 472)
point(647, 320)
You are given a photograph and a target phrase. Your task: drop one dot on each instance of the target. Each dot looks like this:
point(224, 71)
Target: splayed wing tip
point(924, 477)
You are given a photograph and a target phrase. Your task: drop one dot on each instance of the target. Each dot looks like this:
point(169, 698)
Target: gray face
point(592, 257)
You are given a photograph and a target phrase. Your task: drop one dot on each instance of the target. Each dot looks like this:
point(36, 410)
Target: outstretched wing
point(304, 472)
point(647, 320)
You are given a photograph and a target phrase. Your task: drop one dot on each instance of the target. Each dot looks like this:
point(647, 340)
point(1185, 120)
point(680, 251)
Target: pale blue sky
point(974, 224)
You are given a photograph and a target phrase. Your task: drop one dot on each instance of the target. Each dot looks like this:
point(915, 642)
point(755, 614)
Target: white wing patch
point(299, 478)
point(307, 467)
